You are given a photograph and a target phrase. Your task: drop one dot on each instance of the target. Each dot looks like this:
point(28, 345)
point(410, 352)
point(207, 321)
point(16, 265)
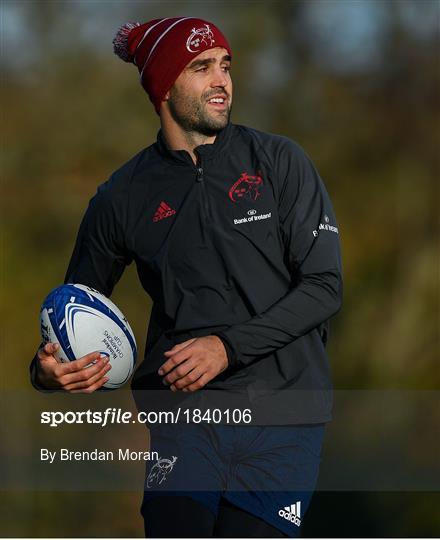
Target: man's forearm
point(313, 301)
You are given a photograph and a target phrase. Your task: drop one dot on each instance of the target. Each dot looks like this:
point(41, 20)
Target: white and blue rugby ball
point(82, 321)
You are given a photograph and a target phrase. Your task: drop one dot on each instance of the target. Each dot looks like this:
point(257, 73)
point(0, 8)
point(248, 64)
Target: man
point(235, 240)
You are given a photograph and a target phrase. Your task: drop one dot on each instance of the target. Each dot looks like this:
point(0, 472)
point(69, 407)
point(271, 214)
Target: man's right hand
point(75, 376)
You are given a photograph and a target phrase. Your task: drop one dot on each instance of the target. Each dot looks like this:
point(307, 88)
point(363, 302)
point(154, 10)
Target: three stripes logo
point(163, 211)
point(292, 513)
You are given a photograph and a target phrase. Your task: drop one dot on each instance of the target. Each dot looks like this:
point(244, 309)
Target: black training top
point(243, 245)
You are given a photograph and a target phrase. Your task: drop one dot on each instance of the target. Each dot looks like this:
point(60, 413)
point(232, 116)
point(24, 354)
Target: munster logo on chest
point(247, 187)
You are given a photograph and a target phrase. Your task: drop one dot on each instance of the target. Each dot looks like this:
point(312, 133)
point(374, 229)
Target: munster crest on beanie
point(161, 48)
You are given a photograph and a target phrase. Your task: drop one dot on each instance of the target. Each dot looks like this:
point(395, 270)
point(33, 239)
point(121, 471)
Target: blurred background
point(356, 83)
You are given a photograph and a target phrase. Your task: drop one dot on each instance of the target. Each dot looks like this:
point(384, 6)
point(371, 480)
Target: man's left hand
point(193, 363)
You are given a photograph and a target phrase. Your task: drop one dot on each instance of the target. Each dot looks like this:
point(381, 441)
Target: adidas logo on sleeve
point(292, 513)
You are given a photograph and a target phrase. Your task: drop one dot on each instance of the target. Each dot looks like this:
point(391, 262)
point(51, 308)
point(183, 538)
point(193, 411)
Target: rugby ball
point(82, 320)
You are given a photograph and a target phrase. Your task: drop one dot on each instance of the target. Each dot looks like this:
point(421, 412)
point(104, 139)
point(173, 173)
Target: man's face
point(201, 98)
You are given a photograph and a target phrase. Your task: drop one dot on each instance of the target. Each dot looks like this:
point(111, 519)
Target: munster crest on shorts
point(247, 187)
point(160, 471)
point(199, 37)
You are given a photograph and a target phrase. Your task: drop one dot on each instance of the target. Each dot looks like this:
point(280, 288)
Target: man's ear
point(166, 96)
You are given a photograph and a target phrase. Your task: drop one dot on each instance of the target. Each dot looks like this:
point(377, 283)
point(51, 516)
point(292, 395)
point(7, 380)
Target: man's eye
point(202, 69)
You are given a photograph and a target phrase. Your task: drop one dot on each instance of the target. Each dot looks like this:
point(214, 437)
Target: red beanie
point(163, 47)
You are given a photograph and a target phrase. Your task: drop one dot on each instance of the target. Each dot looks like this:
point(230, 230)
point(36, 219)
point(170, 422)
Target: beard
point(192, 114)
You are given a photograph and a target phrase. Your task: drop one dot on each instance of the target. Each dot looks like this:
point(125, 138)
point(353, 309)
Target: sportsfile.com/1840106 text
point(112, 415)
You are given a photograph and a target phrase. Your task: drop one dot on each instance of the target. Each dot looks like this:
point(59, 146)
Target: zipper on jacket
point(200, 179)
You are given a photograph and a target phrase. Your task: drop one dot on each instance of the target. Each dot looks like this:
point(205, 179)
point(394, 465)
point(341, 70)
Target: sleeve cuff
point(232, 356)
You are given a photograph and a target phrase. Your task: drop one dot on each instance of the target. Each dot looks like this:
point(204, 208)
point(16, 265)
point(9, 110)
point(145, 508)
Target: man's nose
point(220, 78)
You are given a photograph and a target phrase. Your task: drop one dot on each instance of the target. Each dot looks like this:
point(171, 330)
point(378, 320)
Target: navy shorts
point(270, 472)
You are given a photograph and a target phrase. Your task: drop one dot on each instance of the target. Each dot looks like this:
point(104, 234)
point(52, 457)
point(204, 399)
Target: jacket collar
point(205, 151)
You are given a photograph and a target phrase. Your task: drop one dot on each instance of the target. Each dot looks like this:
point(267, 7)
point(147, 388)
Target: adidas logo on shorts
point(292, 513)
